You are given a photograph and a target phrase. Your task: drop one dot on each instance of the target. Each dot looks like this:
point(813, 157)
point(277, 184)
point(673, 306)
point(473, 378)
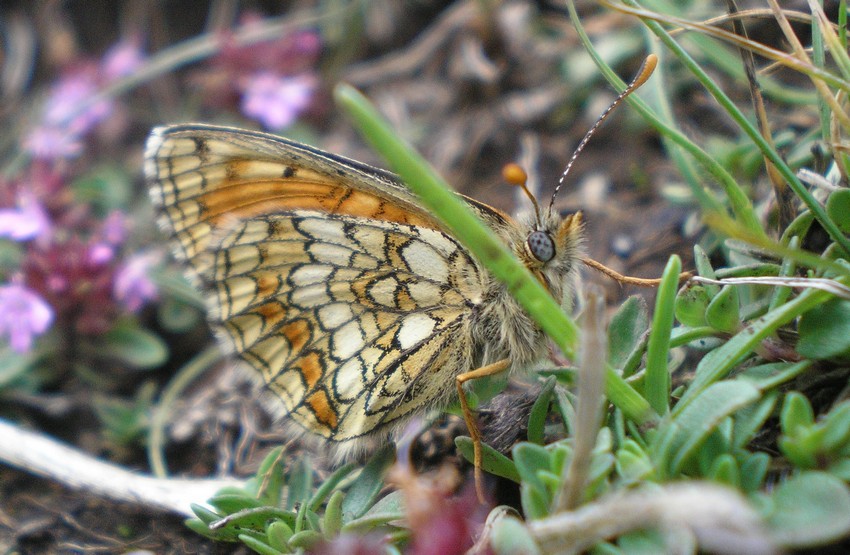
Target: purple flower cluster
point(74, 107)
point(272, 83)
point(23, 315)
point(72, 268)
point(73, 271)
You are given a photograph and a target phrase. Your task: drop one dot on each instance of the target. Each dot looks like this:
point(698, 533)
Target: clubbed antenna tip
point(645, 71)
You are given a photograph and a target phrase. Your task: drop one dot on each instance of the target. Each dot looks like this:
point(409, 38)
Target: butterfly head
point(551, 242)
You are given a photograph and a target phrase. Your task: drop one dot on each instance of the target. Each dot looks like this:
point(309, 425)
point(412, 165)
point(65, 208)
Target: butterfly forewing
point(329, 281)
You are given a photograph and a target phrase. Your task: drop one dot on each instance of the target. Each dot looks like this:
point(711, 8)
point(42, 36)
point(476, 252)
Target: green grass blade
point(657, 383)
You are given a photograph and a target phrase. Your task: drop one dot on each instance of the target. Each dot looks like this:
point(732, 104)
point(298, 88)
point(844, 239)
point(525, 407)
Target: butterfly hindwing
point(324, 275)
point(342, 315)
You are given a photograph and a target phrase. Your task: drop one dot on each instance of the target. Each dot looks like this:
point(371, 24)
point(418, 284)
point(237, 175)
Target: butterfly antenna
point(515, 175)
point(645, 71)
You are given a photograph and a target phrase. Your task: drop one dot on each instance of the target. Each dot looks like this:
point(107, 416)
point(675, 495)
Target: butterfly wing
point(326, 276)
point(352, 323)
point(202, 176)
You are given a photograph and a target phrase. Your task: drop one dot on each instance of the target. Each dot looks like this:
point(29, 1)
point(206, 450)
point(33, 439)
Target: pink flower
point(69, 105)
point(28, 221)
point(101, 253)
point(133, 285)
point(123, 59)
point(114, 228)
point(70, 112)
point(50, 143)
point(276, 101)
point(23, 315)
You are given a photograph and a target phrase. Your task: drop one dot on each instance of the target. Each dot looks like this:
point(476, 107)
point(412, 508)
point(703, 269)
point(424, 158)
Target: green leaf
point(722, 312)
point(299, 482)
point(539, 411)
point(329, 484)
point(749, 420)
point(258, 545)
point(704, 268)
point(773, 374)
point(837, 427)
point(825, 331)
point(691, 304)
point(509, 536)
point(657, 381)
point(529, 460)
point(332, 521)
point(199, 527)
point(177, 316)
point(633, 463)
point(305, 539)
point(797, 414)
point(492, 461)
point(107, 188)
point(367, 485)
point(725, 471)
point(388, 509)
point(812, 508)
point(627, 327)
point(838, 208)
point(719, 362)
point(205, 515)
point(135, 346)
point(278, 533)
point(229, 503)
point(535, 502)
point(702, 416)
point(753, 471)
point(269, 477)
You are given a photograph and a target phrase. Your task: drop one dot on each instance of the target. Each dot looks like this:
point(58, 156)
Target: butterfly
point(354, 306)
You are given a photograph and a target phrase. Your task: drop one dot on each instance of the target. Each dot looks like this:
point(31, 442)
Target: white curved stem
point(38, 454)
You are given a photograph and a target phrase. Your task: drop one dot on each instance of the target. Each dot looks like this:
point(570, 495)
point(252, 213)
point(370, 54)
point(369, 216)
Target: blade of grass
point(719, 362)
point(450, 209)
point(738, 200)
point(657, 382)
point(733, 111)
point(448, 206)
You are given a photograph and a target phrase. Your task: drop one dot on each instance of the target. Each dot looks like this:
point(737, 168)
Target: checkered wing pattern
point(325, 276)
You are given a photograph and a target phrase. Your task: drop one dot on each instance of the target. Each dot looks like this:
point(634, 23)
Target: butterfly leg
point(474, 434)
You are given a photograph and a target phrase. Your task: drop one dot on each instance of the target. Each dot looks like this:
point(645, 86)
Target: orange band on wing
point(322, 409)
point(250, 199)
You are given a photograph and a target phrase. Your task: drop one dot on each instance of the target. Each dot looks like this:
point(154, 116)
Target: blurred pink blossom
point(23, 315)
point(124, 58)
point(277, 101)
point(73, 109)
point(114, 228)
point(133, 285)
point(26, 222)
point(49, 143)
point(101, 253)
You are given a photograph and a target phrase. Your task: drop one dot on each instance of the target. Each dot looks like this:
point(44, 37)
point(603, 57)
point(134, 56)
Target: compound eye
point(541, 245)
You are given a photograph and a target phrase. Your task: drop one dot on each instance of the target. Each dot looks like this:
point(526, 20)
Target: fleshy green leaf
point(825, 331)
point(510, 537)
point(367, 485)
point(626, 329)
point(691, 304)
point(135, 346)
point(539, 411)
point(492, 461)
point(722, 312)
point(702, 416)
point(838, 208)
point(810, 509)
